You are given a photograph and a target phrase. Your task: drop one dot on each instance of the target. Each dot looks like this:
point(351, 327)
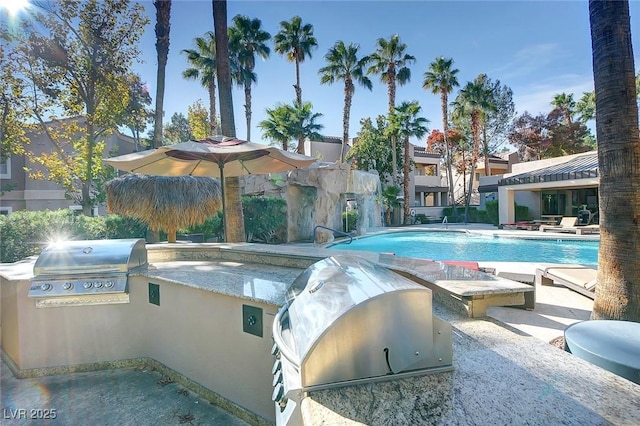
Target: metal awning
point(484, 189)
point(424, 188)
point(583, 167)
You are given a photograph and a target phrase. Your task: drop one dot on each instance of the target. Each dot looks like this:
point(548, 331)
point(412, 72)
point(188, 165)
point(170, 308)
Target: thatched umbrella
point(165, 203)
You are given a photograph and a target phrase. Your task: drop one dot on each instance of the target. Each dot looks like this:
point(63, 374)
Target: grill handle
point(277, 338)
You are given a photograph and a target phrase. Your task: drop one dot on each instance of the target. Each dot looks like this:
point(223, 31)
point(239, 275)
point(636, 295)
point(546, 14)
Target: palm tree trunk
point(391, 89)
point(163, 14)
point(405, 165)
point(213, 117)
point(348, 93)
point(233, 218)
point(297, 87)
point(300, 148)
point(445, 127)
point(618, 288)
point(474, 159)
point(485, 149)
point(247, 107)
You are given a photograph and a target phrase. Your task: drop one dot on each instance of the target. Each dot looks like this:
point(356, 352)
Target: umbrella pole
point(224, 210)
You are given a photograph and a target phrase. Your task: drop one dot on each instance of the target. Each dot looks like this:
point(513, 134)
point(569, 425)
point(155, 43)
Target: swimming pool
point(461, 246)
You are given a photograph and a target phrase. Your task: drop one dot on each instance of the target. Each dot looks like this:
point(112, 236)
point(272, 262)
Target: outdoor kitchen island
point(197, 331)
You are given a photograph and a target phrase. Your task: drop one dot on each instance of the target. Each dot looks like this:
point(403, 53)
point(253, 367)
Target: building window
point(6, 211)
point(5, 168)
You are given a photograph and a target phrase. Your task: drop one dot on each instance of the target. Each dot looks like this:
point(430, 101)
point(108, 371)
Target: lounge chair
point(569, 224)
point(581, 279)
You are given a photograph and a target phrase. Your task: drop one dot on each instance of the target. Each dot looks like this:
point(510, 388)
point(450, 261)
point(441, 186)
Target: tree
point(441, 79)
point(14, 107)
point(246, 40)
point(305, 125)
point(203, 68)
point(177, 130)
point(233, 216)
point(566, 105)
point(136, 114)
point(474, 100)
point(406, 123)
point(547, 136)
point(618, 289)
point(531, 137)
point(343, 64)
point(586, 107)
point(277, 127)
point(198, 117)
point(498, 120)
point(390, 61)
point(163, 27)
point(295, 41)
point(290, 122)
point(76, 57)
point(371, 148)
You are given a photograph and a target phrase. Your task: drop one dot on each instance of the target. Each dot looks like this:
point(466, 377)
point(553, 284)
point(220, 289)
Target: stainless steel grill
point(348, 321)
point(86, 272)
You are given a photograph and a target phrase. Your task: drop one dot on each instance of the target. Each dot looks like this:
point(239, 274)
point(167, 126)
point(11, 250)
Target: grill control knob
point(45, 287)
point(275, 351)
point(98, 284)
point(109, 284)
point(278, 393)
point(276, 367)
point(88, 285)
point(277, 378)
point(67, 286)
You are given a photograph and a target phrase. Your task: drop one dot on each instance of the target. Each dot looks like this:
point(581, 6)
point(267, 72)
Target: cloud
point(528, 60)
point(536, 98)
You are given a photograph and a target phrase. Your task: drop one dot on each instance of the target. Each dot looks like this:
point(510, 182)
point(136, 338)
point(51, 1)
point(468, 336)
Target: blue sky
point(538, 48)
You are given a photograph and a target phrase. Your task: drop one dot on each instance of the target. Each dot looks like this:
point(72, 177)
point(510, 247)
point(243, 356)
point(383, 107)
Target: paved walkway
point(119, 397)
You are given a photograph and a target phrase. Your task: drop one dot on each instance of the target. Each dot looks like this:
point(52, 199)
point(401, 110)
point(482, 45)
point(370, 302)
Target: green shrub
point(265, 218)
point(25, 233)
point(349, 221)
point(522, 213)
point(211, 228)
point(492, 212)
point(422, 218)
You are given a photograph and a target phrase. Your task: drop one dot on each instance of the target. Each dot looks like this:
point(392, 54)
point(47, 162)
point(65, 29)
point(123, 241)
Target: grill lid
point(349, 319)
point(91, 256)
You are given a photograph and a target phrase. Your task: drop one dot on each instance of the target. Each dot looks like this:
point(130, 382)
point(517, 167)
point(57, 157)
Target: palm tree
point(163, 15)
point(618, 289)
point(233, 217)
point(441, 78)
point(390, 61)
point(295, 41)
point(566, 105)
point(343, 64)
point(203, 68)
point(246, 40)
point(407, 123)
point(474, 100)
point(289, 122)
point(304, 124)
point(277, 127)
point(586, 106)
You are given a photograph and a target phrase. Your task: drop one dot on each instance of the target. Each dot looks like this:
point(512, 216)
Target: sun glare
point(13, 6)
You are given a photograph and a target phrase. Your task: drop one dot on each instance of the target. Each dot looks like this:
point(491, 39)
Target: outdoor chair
point(566, 224)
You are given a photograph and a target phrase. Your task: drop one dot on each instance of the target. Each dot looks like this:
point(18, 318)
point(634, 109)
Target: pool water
point(461, 246)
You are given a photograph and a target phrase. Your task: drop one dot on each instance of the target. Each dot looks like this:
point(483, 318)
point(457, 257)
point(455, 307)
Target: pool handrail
point(335, 231)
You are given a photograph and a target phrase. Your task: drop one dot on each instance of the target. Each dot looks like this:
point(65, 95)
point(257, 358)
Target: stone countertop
point(457, 279)
point(257, 282)
point(499, 377)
